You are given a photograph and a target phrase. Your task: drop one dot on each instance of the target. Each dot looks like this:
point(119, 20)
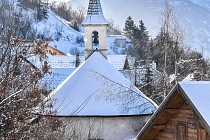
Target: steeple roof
point(97, 88)
point(94, 15)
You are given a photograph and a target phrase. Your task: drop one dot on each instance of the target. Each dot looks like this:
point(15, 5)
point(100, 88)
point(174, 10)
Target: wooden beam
point(172, 111)
point(176, 101)
point(150, 134)
point(159, 127)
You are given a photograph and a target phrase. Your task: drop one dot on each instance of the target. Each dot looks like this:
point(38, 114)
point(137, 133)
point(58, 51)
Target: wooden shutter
point(201, 134)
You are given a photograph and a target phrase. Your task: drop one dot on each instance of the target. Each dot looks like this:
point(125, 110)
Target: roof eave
point(162, 106)
point(153, 117)
point(96, 24)
point(207, 127)
point(94, 20)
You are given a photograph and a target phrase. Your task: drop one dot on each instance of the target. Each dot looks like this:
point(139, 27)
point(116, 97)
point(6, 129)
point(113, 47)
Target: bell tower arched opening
point(95, 39)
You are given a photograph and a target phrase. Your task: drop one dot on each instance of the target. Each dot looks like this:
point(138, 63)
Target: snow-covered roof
point(114, 37)
point(172, 78)
point(62, 61)
point(118, 61)
point(97, 88)
point(56, 77)
point(199, 94)
point(189, 78)
point(55, 61)
point(63, 66)
point(196, 94)
point(113, 49)
point(94, 15)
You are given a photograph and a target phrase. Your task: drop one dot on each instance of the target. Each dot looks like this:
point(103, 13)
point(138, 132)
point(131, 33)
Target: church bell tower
point(95, 27)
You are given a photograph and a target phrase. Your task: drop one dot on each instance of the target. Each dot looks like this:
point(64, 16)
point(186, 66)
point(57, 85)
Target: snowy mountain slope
point(195, 20)
point(64, 37)
point(194, 16)
point(202, 3)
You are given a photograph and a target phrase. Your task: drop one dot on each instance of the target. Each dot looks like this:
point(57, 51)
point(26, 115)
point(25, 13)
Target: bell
point(95, 40)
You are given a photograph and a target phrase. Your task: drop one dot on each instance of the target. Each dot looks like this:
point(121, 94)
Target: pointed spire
point(94, 8)
point(94, 15)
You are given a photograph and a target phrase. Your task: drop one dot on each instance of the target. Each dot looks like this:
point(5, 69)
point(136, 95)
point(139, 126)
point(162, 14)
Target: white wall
point(104, 128)
point(102, 30)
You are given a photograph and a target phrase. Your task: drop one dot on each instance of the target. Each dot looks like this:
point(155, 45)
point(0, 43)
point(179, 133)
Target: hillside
point(194, 16)
point(64, 37)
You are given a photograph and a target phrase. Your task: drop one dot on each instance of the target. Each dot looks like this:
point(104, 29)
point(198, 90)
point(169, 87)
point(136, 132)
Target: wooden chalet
point(183, 115)
point(53, 50)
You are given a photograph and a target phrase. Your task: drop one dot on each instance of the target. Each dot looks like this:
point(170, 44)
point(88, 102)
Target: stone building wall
point(103, 128)
point(101, 29)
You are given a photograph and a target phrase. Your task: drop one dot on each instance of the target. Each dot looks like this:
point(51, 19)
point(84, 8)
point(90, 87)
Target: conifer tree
point(147, 80)
point(140, 39)
point(129, 28)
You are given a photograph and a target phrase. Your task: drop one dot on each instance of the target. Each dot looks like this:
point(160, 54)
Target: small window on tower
point(95, 39)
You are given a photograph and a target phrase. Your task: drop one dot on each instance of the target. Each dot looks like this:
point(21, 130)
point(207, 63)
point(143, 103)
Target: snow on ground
point(130, 138)
point(64, 37)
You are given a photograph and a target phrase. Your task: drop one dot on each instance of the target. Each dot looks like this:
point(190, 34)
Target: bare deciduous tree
point(19, 78)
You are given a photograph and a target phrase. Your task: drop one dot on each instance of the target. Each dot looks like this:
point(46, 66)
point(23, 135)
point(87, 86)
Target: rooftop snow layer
point(94, 14)
point(63, 66)
point(56, 77)
point(118, 61)
point(62, 61)
point(94, 19)
point(97, 88)
point(199, 94)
